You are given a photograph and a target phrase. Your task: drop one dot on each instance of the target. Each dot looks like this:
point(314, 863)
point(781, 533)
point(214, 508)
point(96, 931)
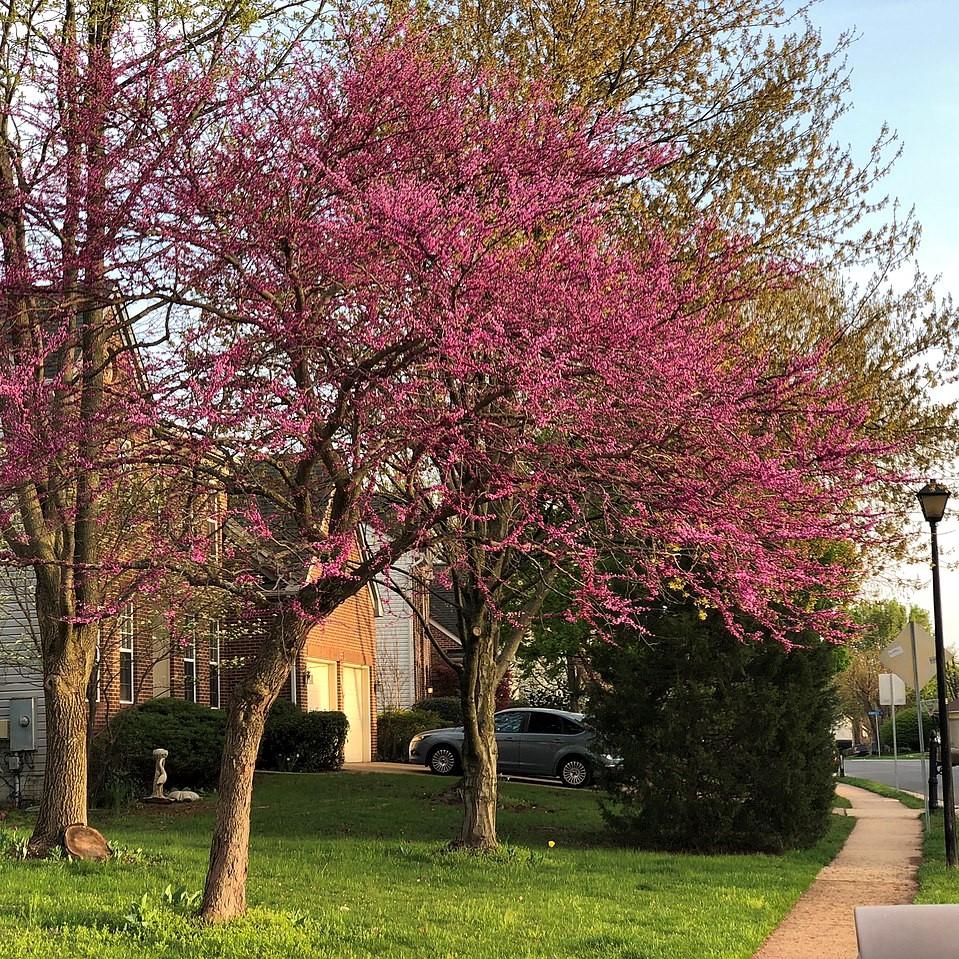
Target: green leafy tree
point(857, 683)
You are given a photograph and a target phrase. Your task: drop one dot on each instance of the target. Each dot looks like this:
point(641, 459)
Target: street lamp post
point(933, 498)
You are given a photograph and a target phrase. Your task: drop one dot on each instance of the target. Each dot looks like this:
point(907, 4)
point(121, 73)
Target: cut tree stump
point(84, 842)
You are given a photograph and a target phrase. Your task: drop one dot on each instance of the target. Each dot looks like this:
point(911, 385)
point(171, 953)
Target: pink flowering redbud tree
point(75, 145)
point(372, 272)
point(90, 110)
point(673, 455)
point(405, 307)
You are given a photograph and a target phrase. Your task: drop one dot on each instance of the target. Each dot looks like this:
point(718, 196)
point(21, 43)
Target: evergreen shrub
point(448, 708)
point(907, 730)
point(726, 745)
point(121, 755)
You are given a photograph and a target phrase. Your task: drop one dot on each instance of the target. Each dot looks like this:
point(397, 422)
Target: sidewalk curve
point(876, 867)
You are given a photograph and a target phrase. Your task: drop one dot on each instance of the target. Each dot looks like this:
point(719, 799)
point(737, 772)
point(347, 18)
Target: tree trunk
point(64, 799)
point(478, 693)
point(224, 894)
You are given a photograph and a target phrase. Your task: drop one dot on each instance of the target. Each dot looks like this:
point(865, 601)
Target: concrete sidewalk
point(876, 867)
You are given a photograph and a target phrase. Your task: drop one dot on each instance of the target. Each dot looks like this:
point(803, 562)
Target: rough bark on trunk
point(66, 674)
point(479, 742)
point(224, 894)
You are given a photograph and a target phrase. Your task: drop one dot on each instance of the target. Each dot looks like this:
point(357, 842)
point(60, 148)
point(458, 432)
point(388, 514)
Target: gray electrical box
point(23, 725)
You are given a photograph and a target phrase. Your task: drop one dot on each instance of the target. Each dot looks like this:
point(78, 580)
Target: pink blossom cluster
point(398, 296)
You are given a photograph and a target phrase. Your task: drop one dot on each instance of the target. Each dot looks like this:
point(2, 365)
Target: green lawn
point(349, 865)
point(936, 883)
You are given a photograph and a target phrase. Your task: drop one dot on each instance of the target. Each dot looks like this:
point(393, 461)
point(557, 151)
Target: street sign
point(892, 690)
point(875, 712)
point(897, 656)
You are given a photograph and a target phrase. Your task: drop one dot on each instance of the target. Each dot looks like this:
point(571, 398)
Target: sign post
point(876, 713)
point(892, 692)
point(912, 657)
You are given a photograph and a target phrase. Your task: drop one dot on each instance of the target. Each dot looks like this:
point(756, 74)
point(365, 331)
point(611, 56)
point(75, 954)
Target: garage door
point(320, 685)
point(356, 705)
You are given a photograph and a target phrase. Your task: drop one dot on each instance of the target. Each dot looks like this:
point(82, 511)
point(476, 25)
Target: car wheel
point(575, 772)
point(443, 761)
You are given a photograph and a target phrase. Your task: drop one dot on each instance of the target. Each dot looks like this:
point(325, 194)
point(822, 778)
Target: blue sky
point(905, 72)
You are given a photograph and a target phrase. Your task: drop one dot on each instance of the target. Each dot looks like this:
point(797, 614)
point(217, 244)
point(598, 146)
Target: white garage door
point(356, 705)
point(320, 685)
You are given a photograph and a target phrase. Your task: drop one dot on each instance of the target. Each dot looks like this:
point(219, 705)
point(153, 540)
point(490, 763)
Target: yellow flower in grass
point(551, 843)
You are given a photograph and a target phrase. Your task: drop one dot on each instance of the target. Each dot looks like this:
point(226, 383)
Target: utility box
point(23, 725)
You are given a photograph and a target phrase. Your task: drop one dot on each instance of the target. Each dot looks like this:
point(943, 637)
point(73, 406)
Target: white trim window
point(215, 664)
point(189, 663)
point(127, 630)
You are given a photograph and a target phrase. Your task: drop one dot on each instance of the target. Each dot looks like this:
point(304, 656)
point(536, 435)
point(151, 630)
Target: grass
point(907, 799)
point(936, 882)
point(349, 865)
point(840, 802)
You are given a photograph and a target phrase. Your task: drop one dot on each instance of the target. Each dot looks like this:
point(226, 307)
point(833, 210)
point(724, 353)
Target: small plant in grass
point(142, 915)
point(504, 853)
point(132, 855)
point(147, 914)
point(13, 844)
point(181, 898)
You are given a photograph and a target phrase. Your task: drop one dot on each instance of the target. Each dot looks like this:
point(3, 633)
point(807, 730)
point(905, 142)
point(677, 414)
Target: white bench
point(908, 932)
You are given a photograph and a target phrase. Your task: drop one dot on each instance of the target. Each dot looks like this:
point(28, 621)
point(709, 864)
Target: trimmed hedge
point(396, 727)
point(299, 742)
point(448, 708)
point(121, 760)
point(121, 755)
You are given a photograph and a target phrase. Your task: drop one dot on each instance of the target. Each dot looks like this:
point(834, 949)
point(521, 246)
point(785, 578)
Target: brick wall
point(348, 636)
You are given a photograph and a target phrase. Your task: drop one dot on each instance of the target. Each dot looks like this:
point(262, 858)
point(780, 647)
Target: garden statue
point(159, 776)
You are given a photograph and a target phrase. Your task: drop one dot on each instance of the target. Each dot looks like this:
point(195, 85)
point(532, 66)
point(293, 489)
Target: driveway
point(416, 770)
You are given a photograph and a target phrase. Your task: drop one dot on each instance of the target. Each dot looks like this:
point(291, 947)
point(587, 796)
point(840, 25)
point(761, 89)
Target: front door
point(356, 705)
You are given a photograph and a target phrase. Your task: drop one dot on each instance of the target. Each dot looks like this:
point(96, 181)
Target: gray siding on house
point(395, 669)
point(20, 676)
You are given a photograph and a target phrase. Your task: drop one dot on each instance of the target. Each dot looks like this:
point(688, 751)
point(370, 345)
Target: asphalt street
point(884, 771)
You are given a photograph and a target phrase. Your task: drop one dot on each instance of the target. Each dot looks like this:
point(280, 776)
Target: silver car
point(540, 743)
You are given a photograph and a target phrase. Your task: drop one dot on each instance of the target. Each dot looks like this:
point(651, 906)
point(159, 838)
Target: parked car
point(540, 743)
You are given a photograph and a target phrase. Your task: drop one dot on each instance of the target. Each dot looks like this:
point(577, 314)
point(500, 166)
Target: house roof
point(443, 612)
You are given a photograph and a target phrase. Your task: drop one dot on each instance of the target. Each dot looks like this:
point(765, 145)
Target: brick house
point(137, 662)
